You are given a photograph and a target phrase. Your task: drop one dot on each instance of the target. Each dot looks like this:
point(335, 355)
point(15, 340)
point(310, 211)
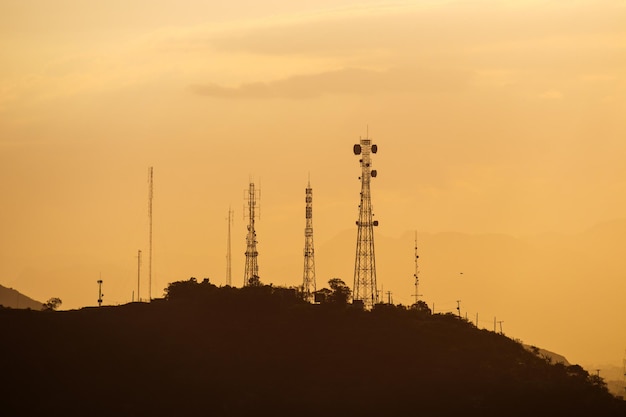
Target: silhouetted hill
point(536, 284)
point(14, 299)
point(550, 356)
point(262, 351)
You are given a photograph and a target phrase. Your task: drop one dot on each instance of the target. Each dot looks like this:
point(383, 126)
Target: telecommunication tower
point(365, 290)
point(251, 273)
point(416, 274)
point(229, 267)
point(308, 281)
point(150, 196)
point(100, 295)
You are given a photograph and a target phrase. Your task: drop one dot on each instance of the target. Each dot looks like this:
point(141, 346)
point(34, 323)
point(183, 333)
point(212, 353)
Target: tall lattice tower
point(365, 290)
point(308, 280)
point(251, 274)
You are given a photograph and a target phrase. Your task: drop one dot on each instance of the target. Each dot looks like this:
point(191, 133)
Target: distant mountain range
point(559, 291)
point(14, 299)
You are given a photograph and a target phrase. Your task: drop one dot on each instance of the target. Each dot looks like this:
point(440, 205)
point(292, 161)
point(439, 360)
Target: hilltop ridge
point(223, 351)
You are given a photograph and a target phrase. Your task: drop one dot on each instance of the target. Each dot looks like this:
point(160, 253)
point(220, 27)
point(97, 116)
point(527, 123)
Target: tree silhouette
point(340, 291)
point(52, 304)
point(421, 308)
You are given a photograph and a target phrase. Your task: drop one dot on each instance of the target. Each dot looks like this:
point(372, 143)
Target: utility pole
point(308, 279)
point(138, 274)
point(389, 300)
point(458, 307)
point(365, 289)
point(500, 322)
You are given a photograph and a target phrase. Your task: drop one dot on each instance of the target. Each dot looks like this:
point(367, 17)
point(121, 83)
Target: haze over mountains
point(14, 299)
point(539, 286)
point(262, 350)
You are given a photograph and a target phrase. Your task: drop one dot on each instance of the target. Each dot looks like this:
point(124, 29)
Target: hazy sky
point(490, 116)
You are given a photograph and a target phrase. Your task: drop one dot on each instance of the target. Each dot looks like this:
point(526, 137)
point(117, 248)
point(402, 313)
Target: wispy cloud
point(344, 81)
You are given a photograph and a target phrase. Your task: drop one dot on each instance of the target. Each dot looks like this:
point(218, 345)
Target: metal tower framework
point(251, 273)
point(365, 289)
point(308, 280)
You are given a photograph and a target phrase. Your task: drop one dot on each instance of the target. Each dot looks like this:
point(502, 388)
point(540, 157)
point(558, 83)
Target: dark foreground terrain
point(208, 351)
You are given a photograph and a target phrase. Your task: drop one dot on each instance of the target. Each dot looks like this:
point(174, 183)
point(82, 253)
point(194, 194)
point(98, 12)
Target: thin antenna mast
point(138, 274)
point(416, 274)
point(229, 274)
point(150, 196)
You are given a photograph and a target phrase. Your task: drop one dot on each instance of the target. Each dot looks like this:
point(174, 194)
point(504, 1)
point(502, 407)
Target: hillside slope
point(14, 299)
point(260, 351)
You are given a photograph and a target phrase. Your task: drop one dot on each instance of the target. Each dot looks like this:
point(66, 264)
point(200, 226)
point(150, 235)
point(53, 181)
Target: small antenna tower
point(229, 268)
point(150, 196)
point(100, 295)
point(308, 281)
point(365, 290)
point(138, 274)
point(251, 273)
point(416, 274)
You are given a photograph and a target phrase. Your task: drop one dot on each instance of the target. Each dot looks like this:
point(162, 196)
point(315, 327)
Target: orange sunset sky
point(501, 128)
